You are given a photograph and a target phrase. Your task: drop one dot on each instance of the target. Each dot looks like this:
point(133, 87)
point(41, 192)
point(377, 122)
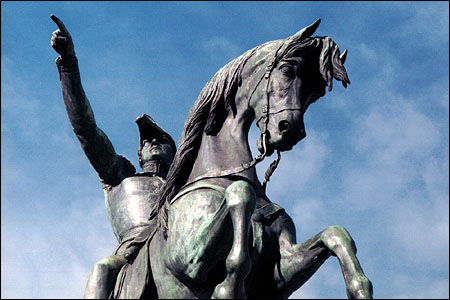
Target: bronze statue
point(217, 233)
point(129, 196)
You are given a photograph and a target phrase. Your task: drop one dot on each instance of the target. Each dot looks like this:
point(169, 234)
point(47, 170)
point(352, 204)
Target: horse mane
point(216, 101)
point(330, 64)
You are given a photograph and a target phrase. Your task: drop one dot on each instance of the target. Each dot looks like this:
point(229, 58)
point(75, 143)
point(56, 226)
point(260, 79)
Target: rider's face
point(156, 148)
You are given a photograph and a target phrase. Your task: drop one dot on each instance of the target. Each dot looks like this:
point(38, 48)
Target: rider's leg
point(102, 277)
point(241, 200)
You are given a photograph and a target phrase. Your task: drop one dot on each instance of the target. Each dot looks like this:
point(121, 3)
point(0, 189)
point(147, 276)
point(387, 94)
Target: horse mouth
point(264, 147)
point(289, 140)
point(281, 144)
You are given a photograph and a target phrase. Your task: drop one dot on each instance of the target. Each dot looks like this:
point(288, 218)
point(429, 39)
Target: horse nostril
point(283, 126)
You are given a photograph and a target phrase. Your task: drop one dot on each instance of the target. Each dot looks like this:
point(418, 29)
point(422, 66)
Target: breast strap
point(198, 186)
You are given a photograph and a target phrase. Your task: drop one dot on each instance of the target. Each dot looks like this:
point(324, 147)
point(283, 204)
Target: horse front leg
point(299, 262)
point(338, 240)
point(241, 201)
point(207, 238)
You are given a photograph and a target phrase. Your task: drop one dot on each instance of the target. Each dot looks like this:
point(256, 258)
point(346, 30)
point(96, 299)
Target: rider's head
point(156, 147)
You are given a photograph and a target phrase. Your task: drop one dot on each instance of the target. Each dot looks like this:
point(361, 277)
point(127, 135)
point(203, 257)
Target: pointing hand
point(61, 39)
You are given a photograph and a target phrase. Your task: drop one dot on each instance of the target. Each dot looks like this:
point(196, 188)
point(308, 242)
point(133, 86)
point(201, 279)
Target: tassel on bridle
point(271, 169)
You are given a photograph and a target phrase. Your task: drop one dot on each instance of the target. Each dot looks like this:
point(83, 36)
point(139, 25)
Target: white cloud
point(396, 130)
point(221, 49)
point(307, 214)
point(428, 23)
point(17, 104)
point(435, 176)
point(327, 283)
point(396, 142)
point(299, 167)
point(403, 182)
point(51, 259)
point(369, 54)
point(420, 231)
point(418, 287)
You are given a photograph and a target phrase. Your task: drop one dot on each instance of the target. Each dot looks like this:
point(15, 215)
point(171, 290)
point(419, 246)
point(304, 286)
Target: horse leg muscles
point(298, 263)
point(195, 258)
point(240, 200)
point(340, 243)
point(205, 244)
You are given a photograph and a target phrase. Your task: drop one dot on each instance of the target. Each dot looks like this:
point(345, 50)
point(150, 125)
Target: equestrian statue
point(214, 232)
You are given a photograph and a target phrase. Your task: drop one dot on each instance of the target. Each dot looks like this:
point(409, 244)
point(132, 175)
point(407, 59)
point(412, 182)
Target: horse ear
point(306, 32)
point(343, 56)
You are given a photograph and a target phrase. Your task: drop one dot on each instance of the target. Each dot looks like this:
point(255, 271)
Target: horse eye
point(286, 70)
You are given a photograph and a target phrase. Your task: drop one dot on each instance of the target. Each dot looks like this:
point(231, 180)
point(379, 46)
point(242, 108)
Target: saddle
point(259, 216)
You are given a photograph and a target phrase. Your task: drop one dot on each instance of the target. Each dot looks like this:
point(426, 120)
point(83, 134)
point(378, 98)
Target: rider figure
point(129, 196)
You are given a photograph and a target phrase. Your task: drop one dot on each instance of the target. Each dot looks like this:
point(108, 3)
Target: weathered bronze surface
point(214, 233)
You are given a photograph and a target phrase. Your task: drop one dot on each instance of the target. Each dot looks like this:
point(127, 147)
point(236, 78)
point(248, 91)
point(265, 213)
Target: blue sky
point(375, 160)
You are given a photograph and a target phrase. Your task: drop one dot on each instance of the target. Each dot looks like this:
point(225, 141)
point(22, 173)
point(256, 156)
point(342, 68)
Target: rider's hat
point(148, 128)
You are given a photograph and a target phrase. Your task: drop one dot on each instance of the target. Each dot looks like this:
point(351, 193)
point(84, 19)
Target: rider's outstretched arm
point(93, 140)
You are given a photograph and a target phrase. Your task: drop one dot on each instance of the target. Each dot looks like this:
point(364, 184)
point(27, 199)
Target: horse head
point(296, 75)
point(274, 83)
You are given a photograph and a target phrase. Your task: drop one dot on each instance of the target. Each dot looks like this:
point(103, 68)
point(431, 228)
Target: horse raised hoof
point(228, 290)
point(360, 287)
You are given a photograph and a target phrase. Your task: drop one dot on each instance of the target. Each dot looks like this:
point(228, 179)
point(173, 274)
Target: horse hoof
point(360, 288)
point(225, 291)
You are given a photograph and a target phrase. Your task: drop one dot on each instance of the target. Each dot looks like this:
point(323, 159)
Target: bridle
point(302, 34)
point(264, 136)
point(282, 49)
point(266, 112)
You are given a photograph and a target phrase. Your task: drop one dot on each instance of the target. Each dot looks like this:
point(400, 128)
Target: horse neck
point(229, 147)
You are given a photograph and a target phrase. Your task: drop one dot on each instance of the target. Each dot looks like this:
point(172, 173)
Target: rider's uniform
point(129, 197)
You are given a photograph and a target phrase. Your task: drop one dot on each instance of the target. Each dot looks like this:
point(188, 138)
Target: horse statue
point(218, 234)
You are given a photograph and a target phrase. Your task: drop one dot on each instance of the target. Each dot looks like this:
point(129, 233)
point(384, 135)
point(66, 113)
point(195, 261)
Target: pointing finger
point(60, 24)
